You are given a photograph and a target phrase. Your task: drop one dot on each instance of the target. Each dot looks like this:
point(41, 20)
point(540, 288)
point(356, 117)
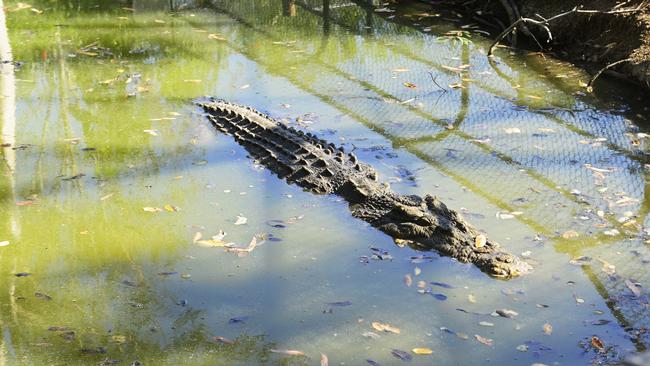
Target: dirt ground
point(593, 40)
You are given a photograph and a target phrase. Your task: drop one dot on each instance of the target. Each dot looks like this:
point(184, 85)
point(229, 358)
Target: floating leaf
point(507, 313)
point(288, 352)
point(597, 343)
point(480, 241)
point(324, 361)
point(633, 287)
point(408, 281)
point(512, 130)
point(43, 296)
point(240, 220)
point(170, 208)
point(410, 85)
point(384, 327)
point(608, 268)
point(216, 37)
point(547, 329)
point(224, 340)
point(151, 132)
point(570, 234)
point(580, 261)
point(152, 209)
point(484, 340)
point(422, 351)
point(471, 298)
point(402, 355)
point(417, 271)
point(371, 335)
point(104, 198)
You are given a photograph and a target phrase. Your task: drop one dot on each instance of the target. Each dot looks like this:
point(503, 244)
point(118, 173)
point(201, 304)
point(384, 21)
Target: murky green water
point(97, 125)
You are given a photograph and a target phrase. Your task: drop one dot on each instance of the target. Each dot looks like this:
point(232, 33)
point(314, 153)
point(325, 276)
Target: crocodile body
point(322, 168)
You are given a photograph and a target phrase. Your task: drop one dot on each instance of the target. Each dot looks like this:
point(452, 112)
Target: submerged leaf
point(402, 355)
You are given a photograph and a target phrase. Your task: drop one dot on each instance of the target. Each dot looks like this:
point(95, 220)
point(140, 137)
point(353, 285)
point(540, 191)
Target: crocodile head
point(504, 265)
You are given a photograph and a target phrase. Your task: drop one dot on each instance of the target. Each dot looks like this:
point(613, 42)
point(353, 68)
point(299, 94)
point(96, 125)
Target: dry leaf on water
point(384, 327)
point(570, 234)
point(324, 361)
point(288, 352)
point(408, 281)
point(224, 340)
point(422, 351)
point(480, 241)
point(484, 340)
point(104, 198)
point(170, 208)
point(597, 343)
point(547, 329)
point(633, 287)
point(241, 220)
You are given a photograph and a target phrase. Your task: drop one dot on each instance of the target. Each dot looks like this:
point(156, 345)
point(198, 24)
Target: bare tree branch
point(609, 66)
point(544, 22)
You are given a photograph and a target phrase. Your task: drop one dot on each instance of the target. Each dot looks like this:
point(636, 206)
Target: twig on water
point(435, 82)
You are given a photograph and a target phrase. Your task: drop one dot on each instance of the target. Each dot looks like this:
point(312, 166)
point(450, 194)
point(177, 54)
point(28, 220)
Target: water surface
point(108, 173)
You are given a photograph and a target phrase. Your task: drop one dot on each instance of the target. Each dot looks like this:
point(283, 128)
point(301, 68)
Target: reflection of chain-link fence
point(551, 156)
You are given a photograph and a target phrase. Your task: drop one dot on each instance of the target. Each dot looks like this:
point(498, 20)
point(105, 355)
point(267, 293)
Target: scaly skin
point(322, 168)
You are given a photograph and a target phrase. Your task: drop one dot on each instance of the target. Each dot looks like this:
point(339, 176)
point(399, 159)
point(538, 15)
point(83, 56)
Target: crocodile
point(319, 167)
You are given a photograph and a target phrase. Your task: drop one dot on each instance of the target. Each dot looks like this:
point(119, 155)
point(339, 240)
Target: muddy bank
point(593, 40)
